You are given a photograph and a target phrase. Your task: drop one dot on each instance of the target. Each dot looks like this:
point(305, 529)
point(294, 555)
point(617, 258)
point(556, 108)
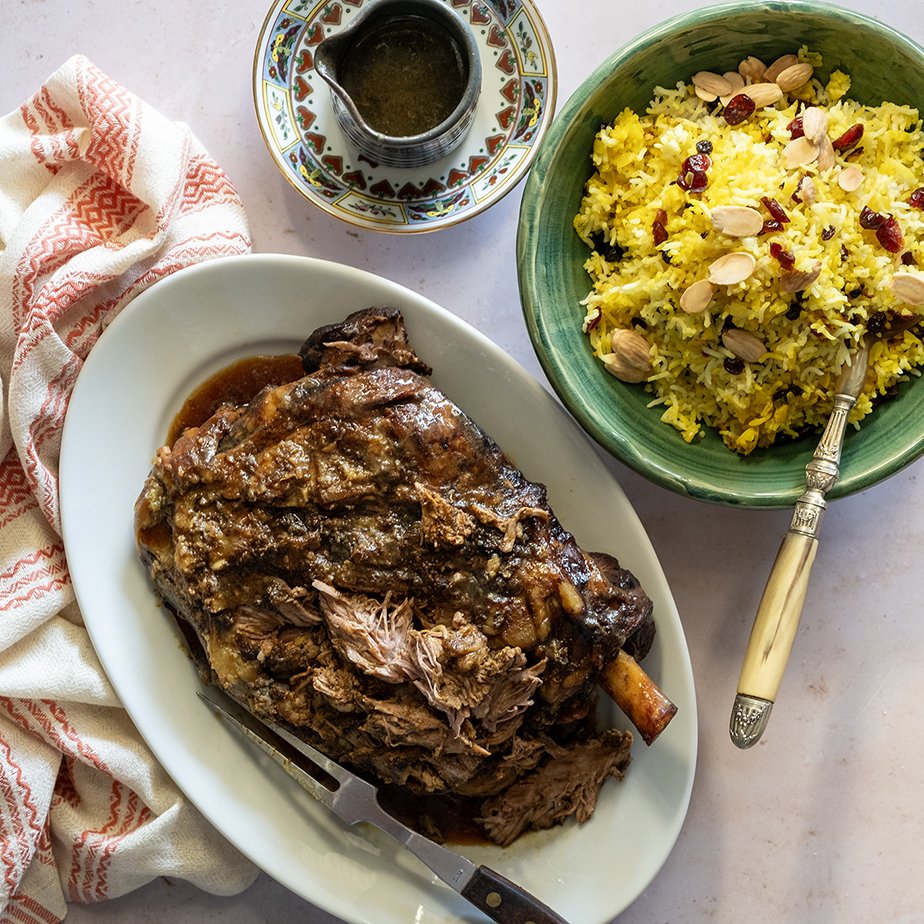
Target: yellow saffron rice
point(637, 281)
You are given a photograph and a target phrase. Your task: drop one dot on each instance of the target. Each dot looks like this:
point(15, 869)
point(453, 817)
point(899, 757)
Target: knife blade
point(354, 800)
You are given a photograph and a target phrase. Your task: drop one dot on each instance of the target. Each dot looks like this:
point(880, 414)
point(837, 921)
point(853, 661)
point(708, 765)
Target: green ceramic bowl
point(883, 65)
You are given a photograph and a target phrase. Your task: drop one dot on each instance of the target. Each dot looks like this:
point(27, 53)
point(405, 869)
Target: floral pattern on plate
point(298, 124)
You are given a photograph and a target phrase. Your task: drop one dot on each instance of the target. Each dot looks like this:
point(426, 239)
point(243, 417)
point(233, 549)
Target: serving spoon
point(780, 608)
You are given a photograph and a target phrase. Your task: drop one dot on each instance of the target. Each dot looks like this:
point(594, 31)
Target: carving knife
point(354, 800)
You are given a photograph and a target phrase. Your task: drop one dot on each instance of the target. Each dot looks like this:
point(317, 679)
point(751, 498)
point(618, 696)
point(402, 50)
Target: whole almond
point(696, 297)
point(629, 361)
point(815, 124)
point(850, 178)
point(908, 287)
point(795, 76)
point(744, 344)
point(736, 82)
point(712, 84)
point(752, 69)
point(732, 268)
point(797, 280)
point(780, 65)
point(798, 152)
point(737, 220)
point(763, 94)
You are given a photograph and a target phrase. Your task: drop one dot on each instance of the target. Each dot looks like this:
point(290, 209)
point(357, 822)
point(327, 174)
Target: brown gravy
point(237, 383)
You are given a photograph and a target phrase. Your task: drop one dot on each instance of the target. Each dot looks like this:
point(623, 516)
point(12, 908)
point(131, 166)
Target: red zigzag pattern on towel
point(116, 126)
point(95, 213)
point(15, 495)
point(206, 185)
point(20, 818)
point(32, 577)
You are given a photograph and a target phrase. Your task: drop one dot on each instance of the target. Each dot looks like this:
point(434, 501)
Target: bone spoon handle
point(780, 608)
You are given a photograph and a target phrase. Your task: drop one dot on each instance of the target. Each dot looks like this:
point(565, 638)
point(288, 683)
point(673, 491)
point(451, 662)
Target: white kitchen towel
point(100, 196)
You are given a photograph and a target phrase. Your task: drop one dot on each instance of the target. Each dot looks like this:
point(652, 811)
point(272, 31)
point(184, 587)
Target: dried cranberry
point(856, 152)
point(739, 108)
point(916, 199)
point(870, 219)
point(908, 259)
point(849, 139)
point(594, 321)
point(699, 163)
point(782, 256)
point(658, 229)
point(828, 233)
point(890, 235)
point(775, 209)
point(770, 226)
point(693, 173)
point(704, 147)
point(734, 365)
point(795, 128)
point(693, 180)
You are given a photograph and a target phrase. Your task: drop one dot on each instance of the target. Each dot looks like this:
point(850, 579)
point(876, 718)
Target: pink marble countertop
point(819, 822)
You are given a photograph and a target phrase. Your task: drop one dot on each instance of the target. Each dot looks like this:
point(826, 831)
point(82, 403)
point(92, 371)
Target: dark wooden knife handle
point(505, 902)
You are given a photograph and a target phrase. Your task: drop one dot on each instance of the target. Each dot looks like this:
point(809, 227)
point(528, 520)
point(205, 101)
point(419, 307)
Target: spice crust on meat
point(351, 556)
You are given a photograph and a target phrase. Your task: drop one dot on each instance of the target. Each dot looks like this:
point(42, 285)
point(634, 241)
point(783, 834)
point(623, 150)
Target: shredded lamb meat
point(353, 558)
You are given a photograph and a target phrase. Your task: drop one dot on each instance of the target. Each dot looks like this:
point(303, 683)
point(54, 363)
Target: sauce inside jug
point(405, 76)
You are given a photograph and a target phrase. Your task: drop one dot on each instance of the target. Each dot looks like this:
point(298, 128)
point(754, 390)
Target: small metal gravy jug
point(404, 76)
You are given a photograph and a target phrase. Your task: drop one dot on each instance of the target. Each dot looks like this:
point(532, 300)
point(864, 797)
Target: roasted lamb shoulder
point(352, 556)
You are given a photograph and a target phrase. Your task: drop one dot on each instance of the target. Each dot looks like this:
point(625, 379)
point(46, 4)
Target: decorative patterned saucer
point(298, 123)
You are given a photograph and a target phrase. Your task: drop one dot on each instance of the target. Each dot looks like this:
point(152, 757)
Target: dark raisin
point(890, 235)
point(916, 199)
point(845, 253)
point(849, 139)
point(611, 252)
point(908, 259)
point(665, 256)
point(640, 322)
point(877, 322)
point(739, 108)
point(828, 233)
point(733, 365)
point(780, 394)
point(704, 147)
point(793, 312)
point(855, 293)
point(775, 209)
point(796, 390)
